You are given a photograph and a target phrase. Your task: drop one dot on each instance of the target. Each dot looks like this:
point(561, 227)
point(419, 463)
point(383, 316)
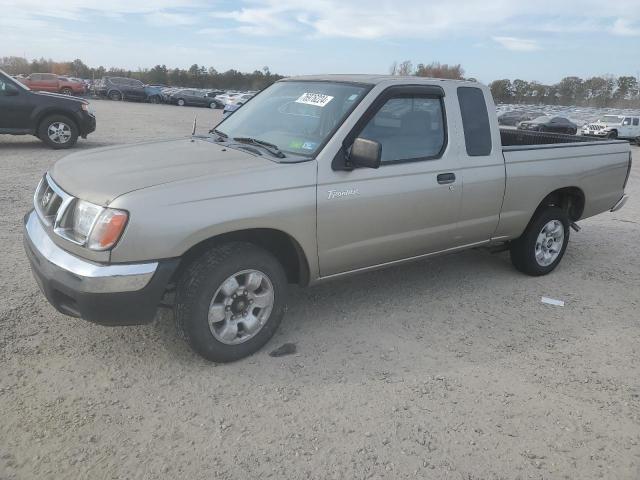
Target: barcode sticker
point(317, 99)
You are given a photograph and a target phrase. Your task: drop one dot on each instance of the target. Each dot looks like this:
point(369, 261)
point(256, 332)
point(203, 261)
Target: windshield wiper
point(219, 133)
point(269, 147)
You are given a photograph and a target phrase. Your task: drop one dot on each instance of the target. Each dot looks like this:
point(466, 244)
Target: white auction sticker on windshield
point(317, 99)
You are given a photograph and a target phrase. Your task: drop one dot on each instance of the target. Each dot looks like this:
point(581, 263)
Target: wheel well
point(570, 199)
point(281, 245)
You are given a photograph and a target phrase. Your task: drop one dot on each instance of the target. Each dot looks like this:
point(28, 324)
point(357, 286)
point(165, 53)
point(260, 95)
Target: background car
point(192, 97)
point(514, 118)
point(153, 93)
point(49, 82)
point(229, 108)
point(121, 88)
point(550, 124)
point(55, 119)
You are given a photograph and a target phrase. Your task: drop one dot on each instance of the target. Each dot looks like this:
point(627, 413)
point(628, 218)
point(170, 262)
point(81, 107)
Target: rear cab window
point(475, 121)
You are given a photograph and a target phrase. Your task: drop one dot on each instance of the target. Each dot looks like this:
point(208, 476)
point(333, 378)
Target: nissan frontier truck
point(313, 179)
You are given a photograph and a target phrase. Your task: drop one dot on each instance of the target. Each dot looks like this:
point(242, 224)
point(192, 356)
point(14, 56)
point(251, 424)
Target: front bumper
point(87, 123)
point(119, 294)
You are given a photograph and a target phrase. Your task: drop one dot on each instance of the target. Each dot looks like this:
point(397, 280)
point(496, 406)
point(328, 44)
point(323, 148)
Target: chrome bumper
point(83, 275)
point(620, 203)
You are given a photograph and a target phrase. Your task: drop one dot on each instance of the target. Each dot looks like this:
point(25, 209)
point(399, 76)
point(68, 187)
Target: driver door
point(410, 205)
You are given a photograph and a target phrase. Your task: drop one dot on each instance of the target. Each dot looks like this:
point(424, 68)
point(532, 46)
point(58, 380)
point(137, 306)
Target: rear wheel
point(115, 95)
point(58, 131)
point(542, 245)
point(181, 102)
point(213, 105)
point(66, 91)
point(230, 301)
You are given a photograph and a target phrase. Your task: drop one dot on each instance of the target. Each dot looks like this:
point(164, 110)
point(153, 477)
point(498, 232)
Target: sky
point(542, 40)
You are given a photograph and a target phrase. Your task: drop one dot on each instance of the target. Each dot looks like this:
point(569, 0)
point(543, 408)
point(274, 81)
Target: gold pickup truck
point(314, 178)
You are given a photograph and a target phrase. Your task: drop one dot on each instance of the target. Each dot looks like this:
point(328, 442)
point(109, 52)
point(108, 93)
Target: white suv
point(614, 126)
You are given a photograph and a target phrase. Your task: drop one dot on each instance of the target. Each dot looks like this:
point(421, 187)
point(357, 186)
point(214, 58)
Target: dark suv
point(121, 88)
point(55, 119)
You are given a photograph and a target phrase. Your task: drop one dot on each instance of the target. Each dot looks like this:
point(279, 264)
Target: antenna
point(195, 122)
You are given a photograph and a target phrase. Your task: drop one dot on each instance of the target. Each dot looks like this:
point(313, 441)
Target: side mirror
point(365, 153)
point(11, 90)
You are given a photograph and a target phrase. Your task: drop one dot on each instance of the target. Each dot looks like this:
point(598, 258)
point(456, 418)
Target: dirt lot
point(446, 369)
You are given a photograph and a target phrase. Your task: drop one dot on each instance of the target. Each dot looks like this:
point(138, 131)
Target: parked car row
point(610, 126)
point(123, 88)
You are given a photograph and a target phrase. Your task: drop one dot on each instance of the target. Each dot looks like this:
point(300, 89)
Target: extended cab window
point(627, 121)
point(408, 128)
point(475, 121)
point(636, 121)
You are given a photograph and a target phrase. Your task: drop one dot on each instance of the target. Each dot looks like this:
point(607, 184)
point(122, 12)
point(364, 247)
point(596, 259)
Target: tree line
point(196, 76)
point(598, 91)
point(607, 91)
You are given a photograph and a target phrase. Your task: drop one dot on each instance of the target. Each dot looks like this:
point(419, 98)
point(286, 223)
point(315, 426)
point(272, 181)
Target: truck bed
point(537, 163)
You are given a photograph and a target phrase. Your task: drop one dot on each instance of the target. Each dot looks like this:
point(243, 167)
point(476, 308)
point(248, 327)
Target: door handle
point(444, 178)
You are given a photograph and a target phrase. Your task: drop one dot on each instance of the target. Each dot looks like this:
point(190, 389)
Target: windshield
point(5, 79)
point(296, 116)
point(610, 119)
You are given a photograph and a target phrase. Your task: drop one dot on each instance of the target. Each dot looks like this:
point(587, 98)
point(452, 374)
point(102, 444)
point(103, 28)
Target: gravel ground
point(450, 368)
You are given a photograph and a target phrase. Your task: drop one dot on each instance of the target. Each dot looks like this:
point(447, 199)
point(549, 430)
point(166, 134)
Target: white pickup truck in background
point(614, 126)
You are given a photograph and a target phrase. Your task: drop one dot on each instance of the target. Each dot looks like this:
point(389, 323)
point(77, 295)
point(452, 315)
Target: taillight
point(626, 179)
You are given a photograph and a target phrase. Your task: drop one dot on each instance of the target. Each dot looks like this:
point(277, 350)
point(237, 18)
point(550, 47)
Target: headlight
point(93, 226)
point(85, 107)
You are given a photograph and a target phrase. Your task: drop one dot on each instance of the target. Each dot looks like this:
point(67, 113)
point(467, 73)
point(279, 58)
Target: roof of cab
point(370, 79)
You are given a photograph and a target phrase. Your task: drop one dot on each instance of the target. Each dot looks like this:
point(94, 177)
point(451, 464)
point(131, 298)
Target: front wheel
point(115, 95)
point(58, 131)
point(542, 245)
point(613, 135)
point(181, 102)
point(230, 301)
point(66, 91)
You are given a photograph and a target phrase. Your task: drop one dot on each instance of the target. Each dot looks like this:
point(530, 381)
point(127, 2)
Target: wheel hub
point(549, 243)
point(241, 306)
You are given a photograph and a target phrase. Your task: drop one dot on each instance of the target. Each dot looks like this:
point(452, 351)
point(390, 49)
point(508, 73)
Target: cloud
point(625, 28)
point(168, 19)
point(518, 44)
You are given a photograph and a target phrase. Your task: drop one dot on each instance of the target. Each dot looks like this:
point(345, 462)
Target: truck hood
point(101, 175)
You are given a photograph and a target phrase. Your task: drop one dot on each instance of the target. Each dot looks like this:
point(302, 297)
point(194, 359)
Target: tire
point(573, 131)
point(115, 95)
point(613, 135)
point(213, 105)
point(154, 99)
point(207, 282)
point(181, 102)
point(66, 91)
point(58, 131)
point(531, 256)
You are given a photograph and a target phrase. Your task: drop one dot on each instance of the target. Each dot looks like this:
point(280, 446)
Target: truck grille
point(594, 126)
point(51, 202)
